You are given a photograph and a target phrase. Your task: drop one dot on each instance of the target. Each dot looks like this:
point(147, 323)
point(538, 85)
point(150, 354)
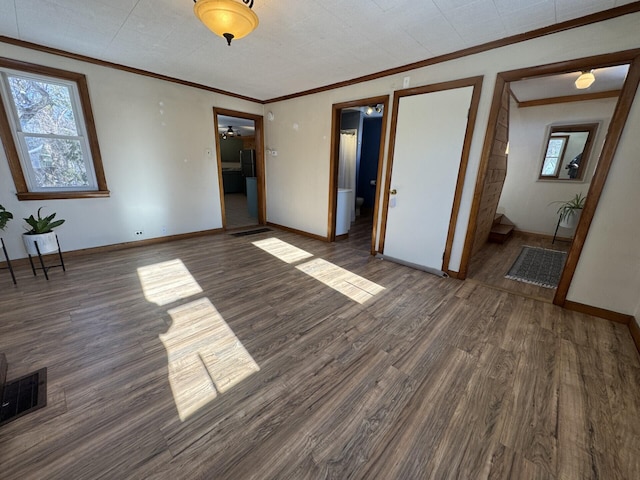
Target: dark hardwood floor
point(226, 357)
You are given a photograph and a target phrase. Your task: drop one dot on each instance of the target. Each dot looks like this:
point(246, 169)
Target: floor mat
point(538, 266)
point(251, 232)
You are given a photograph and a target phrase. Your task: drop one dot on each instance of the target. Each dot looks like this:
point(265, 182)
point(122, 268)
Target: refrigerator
point(248, 169)
point(248, 163)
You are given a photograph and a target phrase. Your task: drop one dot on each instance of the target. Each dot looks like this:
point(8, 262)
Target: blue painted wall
point(369, 154)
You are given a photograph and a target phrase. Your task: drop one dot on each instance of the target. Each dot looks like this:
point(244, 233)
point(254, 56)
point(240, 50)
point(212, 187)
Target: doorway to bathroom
point(358, 136)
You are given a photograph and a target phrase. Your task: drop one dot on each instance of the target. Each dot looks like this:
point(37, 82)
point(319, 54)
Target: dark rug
point(23, 395)
point(538, 266)
point(251, 232)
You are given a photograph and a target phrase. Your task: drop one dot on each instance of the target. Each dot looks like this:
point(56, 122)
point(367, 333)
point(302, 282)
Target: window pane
point(549, 167)
point(43, 107)
point(555, 147)
point(57, 162)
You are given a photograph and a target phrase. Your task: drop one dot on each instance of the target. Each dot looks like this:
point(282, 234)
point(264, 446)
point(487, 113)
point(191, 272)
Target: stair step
point(500, 233)
point(497, 220)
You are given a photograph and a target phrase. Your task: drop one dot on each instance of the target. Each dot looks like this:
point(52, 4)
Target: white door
point(430, 135)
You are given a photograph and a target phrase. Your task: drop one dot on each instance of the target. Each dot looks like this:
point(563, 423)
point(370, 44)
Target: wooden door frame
point(616, 126)
point(334, 164)
point(476, 83)
point(260, 165)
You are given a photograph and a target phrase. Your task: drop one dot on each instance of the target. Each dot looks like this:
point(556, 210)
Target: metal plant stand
point(44, 268)
point(8, 267)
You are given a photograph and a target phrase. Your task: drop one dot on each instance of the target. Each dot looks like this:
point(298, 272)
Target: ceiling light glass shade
point(585, 80)
point(228, 18)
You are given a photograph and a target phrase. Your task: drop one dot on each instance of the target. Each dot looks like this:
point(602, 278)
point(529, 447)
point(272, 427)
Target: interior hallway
point(426, 378)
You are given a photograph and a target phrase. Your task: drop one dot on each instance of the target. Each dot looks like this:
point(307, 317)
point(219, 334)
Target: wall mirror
point(566, 151)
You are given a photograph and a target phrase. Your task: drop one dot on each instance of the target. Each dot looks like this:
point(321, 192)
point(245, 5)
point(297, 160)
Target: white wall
point(526, 200)
point(298, 178)
point(608, 274)
point(153, 136)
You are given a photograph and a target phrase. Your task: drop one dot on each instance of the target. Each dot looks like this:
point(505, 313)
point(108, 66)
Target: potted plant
point(5, 216)
point(570, 210)
point(40, 230)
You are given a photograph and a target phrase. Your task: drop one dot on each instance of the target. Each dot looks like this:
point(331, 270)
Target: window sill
point(62, 195)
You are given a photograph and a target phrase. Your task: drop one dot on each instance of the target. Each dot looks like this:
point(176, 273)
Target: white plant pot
point(47, 243)
point(571, 220)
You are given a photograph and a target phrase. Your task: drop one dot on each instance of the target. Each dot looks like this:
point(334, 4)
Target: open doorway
point(358, 137)
point(240, 168)
point(532, 129)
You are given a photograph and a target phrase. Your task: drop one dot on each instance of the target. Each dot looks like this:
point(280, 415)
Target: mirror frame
point(591, 128)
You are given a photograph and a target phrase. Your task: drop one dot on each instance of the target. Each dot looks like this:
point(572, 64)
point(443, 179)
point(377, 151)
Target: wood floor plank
point(411, 444)
point(338, 451)
point(508, 464)
point(474, 430)
point(617, 375)
point(585, 419)
point(529, 420)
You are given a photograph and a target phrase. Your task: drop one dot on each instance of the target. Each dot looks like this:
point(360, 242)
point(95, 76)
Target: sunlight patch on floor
point(353, 286)
point(205, 357)
point(282, 250)
point(167, 282)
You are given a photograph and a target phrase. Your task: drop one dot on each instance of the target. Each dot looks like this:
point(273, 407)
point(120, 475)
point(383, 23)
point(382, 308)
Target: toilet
point(359, 202)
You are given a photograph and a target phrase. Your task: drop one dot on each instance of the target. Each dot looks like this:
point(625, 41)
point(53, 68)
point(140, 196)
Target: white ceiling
point(607, 79)
point(298, 45)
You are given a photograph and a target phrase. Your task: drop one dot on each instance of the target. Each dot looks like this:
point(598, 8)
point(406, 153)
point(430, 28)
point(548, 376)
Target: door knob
point(393, 192)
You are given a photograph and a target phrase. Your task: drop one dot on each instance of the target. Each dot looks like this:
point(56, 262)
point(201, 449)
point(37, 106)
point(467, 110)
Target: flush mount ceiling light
point(585, 79)
point(227, 18)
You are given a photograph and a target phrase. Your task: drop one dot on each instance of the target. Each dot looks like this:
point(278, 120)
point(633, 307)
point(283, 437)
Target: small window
point(554, 156)
point(48, 133)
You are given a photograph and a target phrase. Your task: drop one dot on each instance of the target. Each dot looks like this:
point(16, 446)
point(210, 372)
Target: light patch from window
point(282, 250)
point(353, 286)
point(167, 282)
point(205, 358)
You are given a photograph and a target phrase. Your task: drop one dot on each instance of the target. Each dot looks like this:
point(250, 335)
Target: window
point(555, 153)
point(47, 130)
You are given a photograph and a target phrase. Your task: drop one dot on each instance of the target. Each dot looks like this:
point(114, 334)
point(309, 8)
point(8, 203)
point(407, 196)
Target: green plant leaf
point(5, 216)
point(42, 225)
point(55, 224)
